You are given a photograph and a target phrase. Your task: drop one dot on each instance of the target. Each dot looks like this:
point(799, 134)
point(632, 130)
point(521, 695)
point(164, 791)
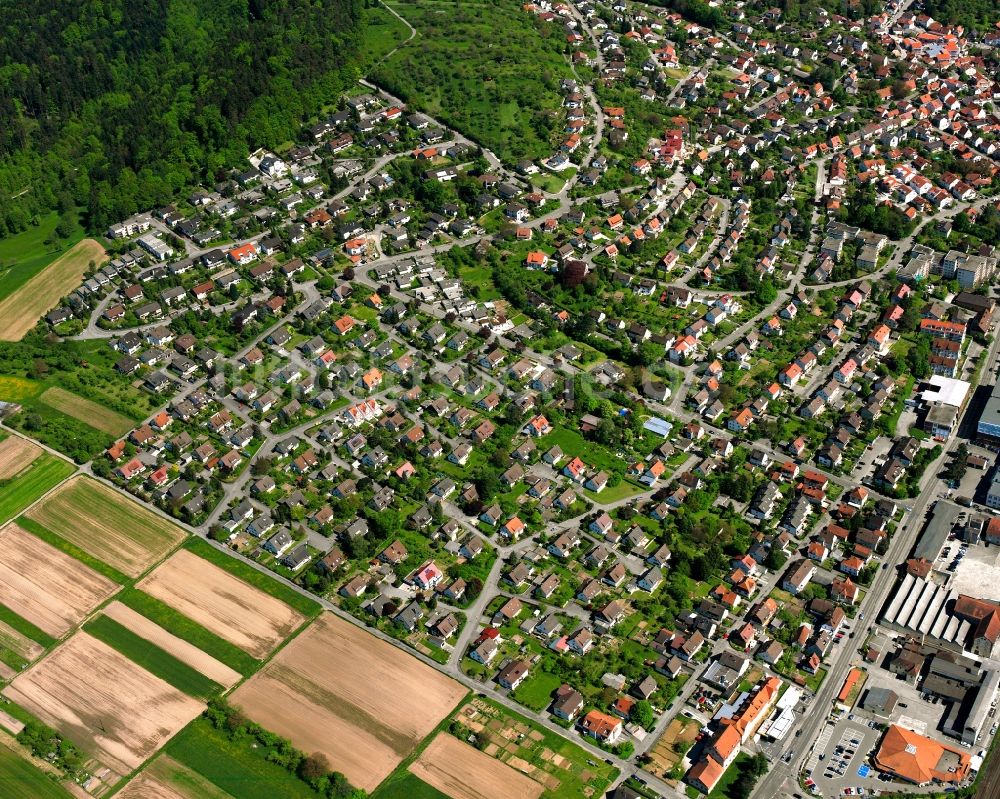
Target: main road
point(776, 782)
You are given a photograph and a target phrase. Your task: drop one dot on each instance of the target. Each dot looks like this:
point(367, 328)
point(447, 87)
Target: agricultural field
point(176, 647)
point(111, 708)
point(21, 779)
point(154, 659)
point(98, 416)
point(233, 766)
point(338, 690)
point(225, 605)
point(21, 490)
point(25, 254)
point(21, 310)
point(463, 772)
point(16, 650)
point(165, 778)
point(83, 368)
point(484, 68)
point(16, 454)
point(45, 586)
point(107, 525)
point(564, 770)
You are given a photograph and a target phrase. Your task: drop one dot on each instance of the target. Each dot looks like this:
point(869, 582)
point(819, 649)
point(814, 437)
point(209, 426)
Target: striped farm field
point(16, 454)
point(107, 525)
point(20, 311)
point(44, 473)
point(97, 416)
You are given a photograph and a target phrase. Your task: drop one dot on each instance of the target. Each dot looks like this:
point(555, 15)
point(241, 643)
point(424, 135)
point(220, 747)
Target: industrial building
point(989, 422)
point(924, 610)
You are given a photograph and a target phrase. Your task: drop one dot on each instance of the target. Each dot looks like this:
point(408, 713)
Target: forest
point(113, 106)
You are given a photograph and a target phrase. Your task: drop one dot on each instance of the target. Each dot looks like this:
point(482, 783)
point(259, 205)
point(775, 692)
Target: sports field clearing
point(44, 473)
point(107, 525)
point(463, 772)
point(178, 647)
point(223, 604)
point(21, 779)
point(97, 416)
point(338, 690)
point(46, 586)
point(111, 708)
point(16, 454)
point(21, 310)
point(165, 778)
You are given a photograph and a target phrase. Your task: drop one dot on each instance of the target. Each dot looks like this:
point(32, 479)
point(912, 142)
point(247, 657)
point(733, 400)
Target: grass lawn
point(188, 630)
point(404, 785)
point(46, 472)
point(549, 182)
point(721, 790)
point(25, 254)
point(536, 692)
point(239, 770)
point(152, 658)
point(249, 574)
point(20, 779)
point(614, 493)
point(382, 32)
point(575, 445)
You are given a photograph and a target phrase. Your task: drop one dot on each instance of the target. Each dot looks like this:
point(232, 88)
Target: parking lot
point(841, 758)
point(978, 573)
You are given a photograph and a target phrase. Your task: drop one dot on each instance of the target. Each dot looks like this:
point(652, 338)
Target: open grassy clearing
point(26, 305)
point(338, 690)
point(96, 415)
point(536, 691)
point(383, 31)
point(189, 631)
point(111, 708)
point(21, 779)
point(165, 778)
point(43, 474)
point(223, 603)
point(107, 525)
point(45, 586)
point(463, 772)
point(155, 660)
point(25, 254)
point(233, 766)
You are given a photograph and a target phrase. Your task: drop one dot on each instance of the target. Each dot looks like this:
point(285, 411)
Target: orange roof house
point(918, 759)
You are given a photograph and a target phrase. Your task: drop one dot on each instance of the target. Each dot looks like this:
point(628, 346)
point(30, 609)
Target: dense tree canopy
point(114, 105)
